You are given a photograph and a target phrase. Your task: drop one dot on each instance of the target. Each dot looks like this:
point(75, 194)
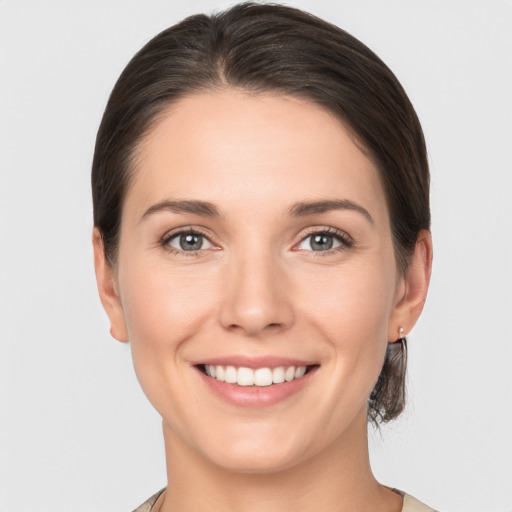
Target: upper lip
point(254, 362)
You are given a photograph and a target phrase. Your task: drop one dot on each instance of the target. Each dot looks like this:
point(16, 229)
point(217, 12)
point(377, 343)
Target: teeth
point(289, 374)
point(245, 377)
point(278, 375)
point(300, 371)
point(230, 375)
point(260, 377)
point(263, 377)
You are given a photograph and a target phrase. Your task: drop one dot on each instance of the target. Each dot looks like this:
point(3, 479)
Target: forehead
point(233, 148)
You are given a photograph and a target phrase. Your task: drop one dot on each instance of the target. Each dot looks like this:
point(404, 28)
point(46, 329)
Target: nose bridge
point(255, 293)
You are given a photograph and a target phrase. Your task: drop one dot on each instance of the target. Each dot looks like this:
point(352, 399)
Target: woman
point(260, 188)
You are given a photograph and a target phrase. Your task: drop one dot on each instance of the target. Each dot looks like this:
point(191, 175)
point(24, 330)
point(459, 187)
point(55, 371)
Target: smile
point(258, 377)
point(256, 382)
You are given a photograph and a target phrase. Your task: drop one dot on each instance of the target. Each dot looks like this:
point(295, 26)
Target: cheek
point(163, 307)
point(350, 310)
point(351, 303)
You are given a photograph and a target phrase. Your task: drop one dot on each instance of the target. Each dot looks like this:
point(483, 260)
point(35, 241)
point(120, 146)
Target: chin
point(257, 464)
point(259, 455)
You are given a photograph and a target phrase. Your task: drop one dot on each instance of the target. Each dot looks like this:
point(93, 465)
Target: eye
point(322, 241)
point(189, 241)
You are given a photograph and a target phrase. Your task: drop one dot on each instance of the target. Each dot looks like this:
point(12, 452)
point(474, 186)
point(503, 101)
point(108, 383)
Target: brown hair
point(273, 48)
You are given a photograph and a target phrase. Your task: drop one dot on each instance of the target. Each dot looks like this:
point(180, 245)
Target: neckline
point(152, 501)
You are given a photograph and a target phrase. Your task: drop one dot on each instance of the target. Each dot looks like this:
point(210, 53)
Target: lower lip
point(256, 396)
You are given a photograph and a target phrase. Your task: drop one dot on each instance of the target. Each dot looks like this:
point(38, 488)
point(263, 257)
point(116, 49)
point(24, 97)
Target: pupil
point(191, 242)
point(321, 242)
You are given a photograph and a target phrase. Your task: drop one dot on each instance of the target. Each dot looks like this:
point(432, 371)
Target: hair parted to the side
point(262, 48)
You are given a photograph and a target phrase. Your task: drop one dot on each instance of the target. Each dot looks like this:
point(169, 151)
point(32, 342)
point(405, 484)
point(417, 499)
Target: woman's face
point(255, 234)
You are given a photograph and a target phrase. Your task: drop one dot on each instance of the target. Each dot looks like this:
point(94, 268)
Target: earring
point(403, 342)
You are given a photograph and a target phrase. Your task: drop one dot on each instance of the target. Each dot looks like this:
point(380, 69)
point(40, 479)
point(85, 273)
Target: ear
point(412, 289)
point(107, 288)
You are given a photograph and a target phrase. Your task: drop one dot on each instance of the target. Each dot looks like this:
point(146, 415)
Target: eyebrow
point(303, 209)
point(202, 208)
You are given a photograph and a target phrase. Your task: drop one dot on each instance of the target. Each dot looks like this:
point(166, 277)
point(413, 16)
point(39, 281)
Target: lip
point(255, 396)
point(255, 362)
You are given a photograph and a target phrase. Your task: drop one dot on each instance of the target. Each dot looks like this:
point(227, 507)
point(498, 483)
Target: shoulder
point(411, 504)
point(148, 504)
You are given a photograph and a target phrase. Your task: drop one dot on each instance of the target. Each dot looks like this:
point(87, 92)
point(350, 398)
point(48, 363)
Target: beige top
point(410, 504)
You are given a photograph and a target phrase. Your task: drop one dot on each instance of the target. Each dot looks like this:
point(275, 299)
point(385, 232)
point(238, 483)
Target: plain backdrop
point(76, 433)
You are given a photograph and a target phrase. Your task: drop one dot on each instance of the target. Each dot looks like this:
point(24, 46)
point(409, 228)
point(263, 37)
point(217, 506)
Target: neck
point(339, 478)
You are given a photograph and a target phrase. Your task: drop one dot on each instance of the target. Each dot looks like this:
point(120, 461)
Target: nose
point(256, 296)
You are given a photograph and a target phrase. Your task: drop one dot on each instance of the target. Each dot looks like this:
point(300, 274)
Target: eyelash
point(166, 239)
point(346, 242)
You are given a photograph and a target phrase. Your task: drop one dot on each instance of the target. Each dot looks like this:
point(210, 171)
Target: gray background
point(76, 433)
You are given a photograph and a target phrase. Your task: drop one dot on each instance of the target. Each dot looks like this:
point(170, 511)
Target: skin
point(257, 287)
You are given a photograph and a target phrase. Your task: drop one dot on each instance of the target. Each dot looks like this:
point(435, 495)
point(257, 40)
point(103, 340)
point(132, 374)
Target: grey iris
point(191, 242)
point(321, 242)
